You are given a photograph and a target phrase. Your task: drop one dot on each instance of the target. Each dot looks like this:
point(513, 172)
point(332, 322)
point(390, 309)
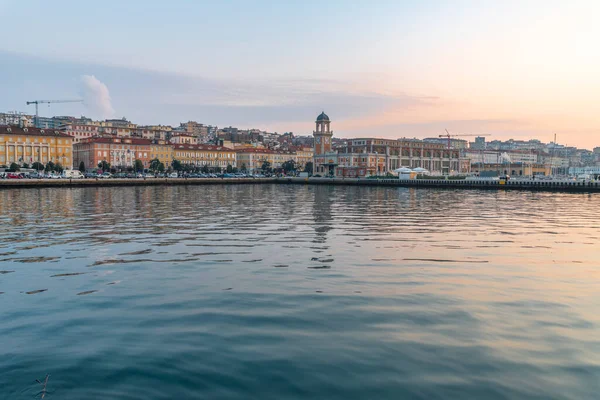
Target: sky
point(509, 69)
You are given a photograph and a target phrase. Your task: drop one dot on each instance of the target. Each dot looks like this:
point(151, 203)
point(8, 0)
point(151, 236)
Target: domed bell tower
point(322, 134)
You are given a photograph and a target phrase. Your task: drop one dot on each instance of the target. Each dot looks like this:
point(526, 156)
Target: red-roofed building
point(26, 145)
point(120, 153)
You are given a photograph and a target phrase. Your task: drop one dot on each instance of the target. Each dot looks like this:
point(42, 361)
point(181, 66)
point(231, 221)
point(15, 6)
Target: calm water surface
point(289, 292)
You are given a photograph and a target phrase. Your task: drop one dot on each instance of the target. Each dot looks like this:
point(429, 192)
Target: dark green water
point(290, 292)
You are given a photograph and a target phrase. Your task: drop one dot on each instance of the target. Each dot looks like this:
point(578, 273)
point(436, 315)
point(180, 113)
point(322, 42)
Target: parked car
point(14, 175)
point(36, 175)
point(105, 175)
point(72, 174)
point(148, 175)
point(173, 175)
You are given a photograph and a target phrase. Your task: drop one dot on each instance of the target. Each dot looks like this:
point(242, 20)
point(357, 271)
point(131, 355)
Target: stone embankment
point(536, 185)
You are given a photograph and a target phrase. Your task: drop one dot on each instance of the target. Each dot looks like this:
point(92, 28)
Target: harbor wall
point(533, 185)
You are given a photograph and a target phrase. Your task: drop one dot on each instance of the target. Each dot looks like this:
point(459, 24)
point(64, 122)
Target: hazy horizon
point(392, 69)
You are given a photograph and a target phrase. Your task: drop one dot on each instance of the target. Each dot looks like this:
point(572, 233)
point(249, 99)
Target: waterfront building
point(252, 159)
point(26, 145)
point(373, 156)
point(200, 155)
point(514, 170)
point(120, 153)
point(303, 156)
point(498, 157)
point(162, 150)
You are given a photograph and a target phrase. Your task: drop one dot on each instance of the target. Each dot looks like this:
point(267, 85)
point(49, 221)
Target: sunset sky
point(511, 69)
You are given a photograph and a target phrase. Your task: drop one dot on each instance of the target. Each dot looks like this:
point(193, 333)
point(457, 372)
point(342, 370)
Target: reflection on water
point(275, 291)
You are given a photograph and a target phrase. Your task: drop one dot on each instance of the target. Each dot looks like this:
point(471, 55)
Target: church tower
point(322, 134)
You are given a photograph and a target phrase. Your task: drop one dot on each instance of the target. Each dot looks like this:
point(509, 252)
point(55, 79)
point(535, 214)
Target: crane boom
point(38, 102)
point(448, 135)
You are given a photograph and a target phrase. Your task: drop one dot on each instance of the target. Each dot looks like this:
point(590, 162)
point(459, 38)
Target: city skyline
point(386, 70)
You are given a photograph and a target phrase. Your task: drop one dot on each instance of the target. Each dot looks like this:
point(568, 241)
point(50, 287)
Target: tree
point(266, 166)
point(38, 166)
point(217, 170)
point(229, 169)
point(25, 165)
point(234, 170)
point(289, 166)
point(14, 167)
point(308, 167)
point(154, 164)
point(104, 165)
point(82, 167)
point(205, 169)
point(49, 166)
point(58, 168)
point(176, 164)
point(138, 165)
point(244, 168)
point(161, 167)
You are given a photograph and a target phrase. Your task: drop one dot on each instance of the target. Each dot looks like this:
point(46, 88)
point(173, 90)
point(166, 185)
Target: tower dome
point(322, 117)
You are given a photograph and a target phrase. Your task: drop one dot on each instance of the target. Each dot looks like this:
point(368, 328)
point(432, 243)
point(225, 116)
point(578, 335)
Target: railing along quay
point(536, 185)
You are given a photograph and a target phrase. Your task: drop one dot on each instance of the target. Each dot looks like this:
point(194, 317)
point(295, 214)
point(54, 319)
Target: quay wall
point(534, 185)
point(37, 183)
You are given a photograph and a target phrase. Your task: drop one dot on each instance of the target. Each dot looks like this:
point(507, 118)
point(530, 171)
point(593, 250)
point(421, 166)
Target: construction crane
point(38, 102)
point(448, 135)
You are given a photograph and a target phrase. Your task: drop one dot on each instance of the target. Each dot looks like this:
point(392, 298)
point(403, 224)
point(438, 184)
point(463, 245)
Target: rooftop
point(99, 139)
point(200, 147)
point(31, 131)
point(323, 117)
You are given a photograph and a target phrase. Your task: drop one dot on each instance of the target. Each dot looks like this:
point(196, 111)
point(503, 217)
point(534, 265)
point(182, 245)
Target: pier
point(532, 185)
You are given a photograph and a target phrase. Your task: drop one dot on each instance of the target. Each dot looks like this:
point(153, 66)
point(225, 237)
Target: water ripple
point(285, 291)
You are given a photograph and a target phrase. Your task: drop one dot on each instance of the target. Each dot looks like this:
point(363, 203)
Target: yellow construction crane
point(448, 135)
